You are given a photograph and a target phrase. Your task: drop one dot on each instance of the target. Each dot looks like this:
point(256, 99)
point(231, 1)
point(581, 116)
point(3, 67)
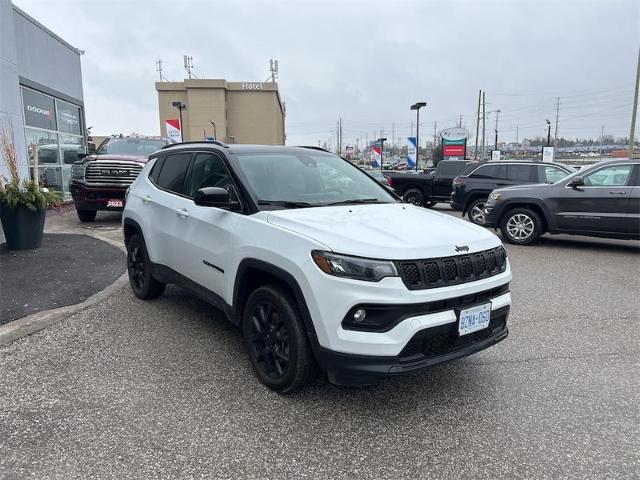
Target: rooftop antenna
point(273, 68)
point(159, 70)
point(188, 65)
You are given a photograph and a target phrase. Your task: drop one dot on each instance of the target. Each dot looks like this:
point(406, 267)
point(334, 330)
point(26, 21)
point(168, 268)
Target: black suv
point(601, 201)
point(473, 186)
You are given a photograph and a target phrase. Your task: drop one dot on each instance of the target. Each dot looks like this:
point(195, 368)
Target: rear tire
point(414, 196)
point(87, 215)
point(521, 226)
point(476, 211)
point(276, 340)
point(142, 283)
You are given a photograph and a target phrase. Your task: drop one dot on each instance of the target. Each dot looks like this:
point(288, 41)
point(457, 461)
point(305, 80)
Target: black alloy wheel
point(276, 339)
point(414, 196)
point(269, 339)
point(142, 283)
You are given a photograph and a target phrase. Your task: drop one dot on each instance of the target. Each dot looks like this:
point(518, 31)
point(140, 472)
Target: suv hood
point(388, 231)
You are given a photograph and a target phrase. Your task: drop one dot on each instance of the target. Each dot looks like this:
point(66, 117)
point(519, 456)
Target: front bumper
point(492, 214)
point(96, 198)
point(427, 348)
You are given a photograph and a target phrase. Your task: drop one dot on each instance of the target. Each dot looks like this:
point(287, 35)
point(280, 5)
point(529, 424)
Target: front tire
point(276, 340)
point(521, 226)
point(414, 196)
point(142, 283)
point(476, 211)
point(430, 204)
point(87, 215)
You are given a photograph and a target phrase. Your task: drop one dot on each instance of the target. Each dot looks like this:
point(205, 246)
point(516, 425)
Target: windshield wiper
point(354, 201)
point(286, 203)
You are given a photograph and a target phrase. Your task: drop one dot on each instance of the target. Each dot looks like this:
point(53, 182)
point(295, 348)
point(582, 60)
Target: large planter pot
point(22, 227)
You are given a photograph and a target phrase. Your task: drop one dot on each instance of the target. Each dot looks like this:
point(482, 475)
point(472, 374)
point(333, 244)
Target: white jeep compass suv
point(315, 261)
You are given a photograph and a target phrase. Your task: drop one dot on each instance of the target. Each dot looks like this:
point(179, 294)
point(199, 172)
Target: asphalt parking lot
point(164, 389)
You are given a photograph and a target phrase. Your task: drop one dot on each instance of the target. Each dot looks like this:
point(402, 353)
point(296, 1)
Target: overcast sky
point(366, 61)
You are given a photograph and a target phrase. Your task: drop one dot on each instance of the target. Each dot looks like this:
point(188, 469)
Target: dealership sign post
point(376, 157)
point(454, 143)
point(173, 130)
point(411, 151)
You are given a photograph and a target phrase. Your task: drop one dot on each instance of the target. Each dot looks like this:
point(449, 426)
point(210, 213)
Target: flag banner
point(411, 151)
point(173, 129)
point(376, 157)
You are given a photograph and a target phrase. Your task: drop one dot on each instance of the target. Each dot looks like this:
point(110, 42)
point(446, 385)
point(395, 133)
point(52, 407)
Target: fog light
point(359, 315)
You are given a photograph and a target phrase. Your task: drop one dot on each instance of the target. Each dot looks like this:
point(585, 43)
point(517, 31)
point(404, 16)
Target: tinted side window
point(209, 171)
point(520, 173)
point(450, 168)
point(155, 170)
point(174, 172)
point(491, 171)
point(610, 176)
point(550, 174)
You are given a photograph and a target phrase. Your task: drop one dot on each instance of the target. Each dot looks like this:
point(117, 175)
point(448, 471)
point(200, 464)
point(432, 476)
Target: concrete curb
point(41, 320)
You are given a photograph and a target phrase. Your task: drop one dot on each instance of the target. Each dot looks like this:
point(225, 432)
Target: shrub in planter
point(23, 204)
point(22, 211)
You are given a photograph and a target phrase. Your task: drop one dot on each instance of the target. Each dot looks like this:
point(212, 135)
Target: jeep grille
point(441, 272)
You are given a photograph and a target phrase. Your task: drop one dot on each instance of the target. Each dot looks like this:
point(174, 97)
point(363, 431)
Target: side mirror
point(576, 182)
point(213, 197)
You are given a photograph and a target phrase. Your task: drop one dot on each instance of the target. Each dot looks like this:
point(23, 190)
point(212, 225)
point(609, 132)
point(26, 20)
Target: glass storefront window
point(68, 118)
point(39, 110)
point(47, 146)
point(51, 177)
point(70, 147)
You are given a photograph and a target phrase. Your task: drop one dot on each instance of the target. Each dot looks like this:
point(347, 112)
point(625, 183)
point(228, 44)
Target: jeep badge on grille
point(462, 248)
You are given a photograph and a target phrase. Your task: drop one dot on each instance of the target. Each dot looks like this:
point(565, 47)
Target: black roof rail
point(311, 147)
point(191, 142)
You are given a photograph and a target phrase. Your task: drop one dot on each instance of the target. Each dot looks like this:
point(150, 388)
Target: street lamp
point(180, 106)
point(215, 135)
point(381, 142)
point(417, 107)
point(495, 147)
point(548, 133)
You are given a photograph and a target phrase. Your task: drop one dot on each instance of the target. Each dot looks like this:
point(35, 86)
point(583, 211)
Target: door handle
point(501, 184)
point(617, 193)
point(182, 213)
point(146, 199)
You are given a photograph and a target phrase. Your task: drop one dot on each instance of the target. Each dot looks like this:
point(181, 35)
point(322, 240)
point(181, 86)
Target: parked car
point(472, 187)
point(99, 181)
point(347, 278)
point(427, 189)
point(378, 176)
point(600, 201)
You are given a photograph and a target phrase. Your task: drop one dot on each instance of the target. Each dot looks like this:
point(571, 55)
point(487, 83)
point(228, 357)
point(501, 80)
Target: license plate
point(474, 319)
point(114, 203)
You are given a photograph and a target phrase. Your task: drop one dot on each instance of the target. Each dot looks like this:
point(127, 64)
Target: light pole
point(180, 106)
point(548, 133)
point(381, 142)
point(495, 147)
point(215, 135)
point(417, 107)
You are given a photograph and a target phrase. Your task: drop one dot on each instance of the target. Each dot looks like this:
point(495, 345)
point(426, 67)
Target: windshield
point(312, 179)
point(142, 147)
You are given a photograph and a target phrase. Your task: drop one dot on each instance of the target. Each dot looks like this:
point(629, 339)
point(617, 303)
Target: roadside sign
point(454, 134)
point(495, 155)
point(411, 151)
point(547, 154)
point(173, 129)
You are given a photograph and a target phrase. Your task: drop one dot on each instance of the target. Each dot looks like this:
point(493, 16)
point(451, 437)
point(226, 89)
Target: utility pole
point(601, 141)
point(435, 134)
point(393, 138)
point(484, 118)
point(555, 135)
point(460, 122)
point(635, 110)
point(517, 134)
point(495, 147)
point(475, 152)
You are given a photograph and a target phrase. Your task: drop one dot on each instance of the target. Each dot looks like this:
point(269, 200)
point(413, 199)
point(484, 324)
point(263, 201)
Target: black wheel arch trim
point(129, 222)
point(287, 279)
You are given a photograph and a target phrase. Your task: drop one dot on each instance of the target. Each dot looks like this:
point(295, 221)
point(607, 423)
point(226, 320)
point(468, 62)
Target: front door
point(601, 205)
point(206, 240)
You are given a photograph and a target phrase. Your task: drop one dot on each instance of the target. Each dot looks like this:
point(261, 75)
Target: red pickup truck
point(99, 180)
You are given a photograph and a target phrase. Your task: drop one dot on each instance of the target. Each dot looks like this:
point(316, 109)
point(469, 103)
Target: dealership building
point(232, 112)
point(41, 97)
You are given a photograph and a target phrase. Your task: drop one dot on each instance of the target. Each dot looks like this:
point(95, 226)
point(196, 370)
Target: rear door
point(519, 174)
point(446, 171)
point(166, 216)
point(633, 205)
point(601, 205)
